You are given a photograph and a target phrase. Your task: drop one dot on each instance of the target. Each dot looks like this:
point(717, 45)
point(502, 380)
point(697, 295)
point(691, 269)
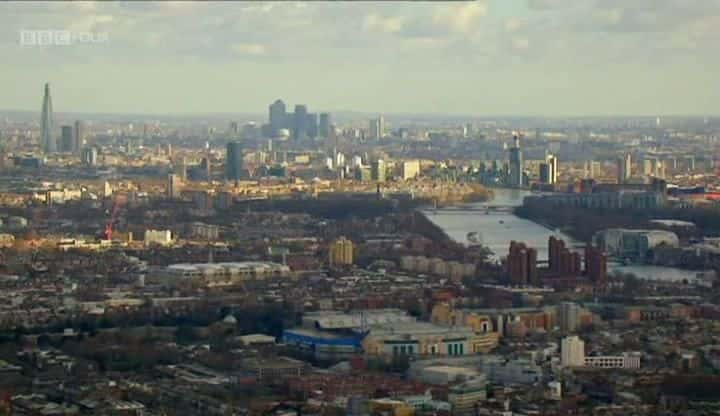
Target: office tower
point(250, 131)
point(206, 168)
point(549, 170)
point(169, 150)
point(552, 162)
point(572, 352)
point(379, 171)
point(596, 266)
point(300, 119)
point(569, 316)
point(516, 163)
point(66, 138)
point(79, 138)
point(47, 141)
point(324, 127)
point(624, 168)
point(341, 252)
point(174, 186)
point(89, 156)
point(544, 173)
point(522, 264)
point(234, 129)
point(278, 117)
point(311, 125)
point(469, 130)
point(234, 161)
point(376, 128)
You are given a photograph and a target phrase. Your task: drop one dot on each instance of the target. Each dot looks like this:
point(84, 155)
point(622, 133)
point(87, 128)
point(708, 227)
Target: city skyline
point(538, 57)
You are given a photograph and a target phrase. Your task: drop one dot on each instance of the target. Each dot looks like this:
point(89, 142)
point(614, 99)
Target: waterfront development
point(497, 228)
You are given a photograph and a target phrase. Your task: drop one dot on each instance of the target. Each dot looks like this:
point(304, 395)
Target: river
point(496, 228)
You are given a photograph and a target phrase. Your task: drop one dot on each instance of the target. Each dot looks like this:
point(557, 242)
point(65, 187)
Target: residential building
point(340, 252)
point(572, 352)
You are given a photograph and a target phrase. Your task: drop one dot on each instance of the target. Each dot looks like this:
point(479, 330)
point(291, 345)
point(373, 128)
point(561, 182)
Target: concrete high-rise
point(47, 141)
point(515, 159)
point(300, 120)
point(624, 168)
point(79, 137)
point(174, 185)
point(341, 252)
point(572, 352)
point(553, 165)
point(379, 171)
point(569, 316)
point(325, 125)
point(234, 161)
point(89, 156)
point(278, 117)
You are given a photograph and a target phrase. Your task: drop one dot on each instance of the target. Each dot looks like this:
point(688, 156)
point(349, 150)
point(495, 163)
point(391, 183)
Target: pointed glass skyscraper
point(49, 145)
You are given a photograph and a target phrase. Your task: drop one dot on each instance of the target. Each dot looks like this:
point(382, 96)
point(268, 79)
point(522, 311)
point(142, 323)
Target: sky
point(482, 57)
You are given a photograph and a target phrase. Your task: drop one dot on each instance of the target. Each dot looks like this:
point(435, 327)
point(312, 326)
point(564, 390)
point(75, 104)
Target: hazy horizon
point(483, 58)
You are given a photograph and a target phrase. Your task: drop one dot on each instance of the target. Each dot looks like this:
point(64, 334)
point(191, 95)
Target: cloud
point(520, 43)
point(460, 18)
point(248, 49)
point(547, 4)
point(513, 24)
point(466, 41)
point(91, 23)
point(376, 23)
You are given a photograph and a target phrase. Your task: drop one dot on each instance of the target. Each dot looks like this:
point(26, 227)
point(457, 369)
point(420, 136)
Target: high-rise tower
point(79, 136)
point(47, 140)
point(516, 163)
point(234, 161)
point(324, 127)
point(300, 122)
point(277, 117)
point(624, 168)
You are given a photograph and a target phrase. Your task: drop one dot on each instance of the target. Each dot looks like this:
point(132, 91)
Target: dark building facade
point(234, 161)
point(522, 264)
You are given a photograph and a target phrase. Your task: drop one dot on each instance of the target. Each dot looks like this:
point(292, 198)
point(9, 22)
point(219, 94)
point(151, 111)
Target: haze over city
point(484, 57)
point(466, 208)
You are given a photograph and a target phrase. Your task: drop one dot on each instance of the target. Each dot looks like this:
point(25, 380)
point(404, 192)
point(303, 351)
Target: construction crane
point(118, 203)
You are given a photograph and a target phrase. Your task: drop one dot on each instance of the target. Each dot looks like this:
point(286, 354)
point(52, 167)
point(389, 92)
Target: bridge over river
point(484, 209)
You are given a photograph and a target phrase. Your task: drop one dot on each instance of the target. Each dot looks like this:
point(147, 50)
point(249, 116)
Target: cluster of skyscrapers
point(71, 138)
point(299, 124)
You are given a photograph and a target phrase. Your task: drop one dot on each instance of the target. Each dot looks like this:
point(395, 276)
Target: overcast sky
point(484, 57)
